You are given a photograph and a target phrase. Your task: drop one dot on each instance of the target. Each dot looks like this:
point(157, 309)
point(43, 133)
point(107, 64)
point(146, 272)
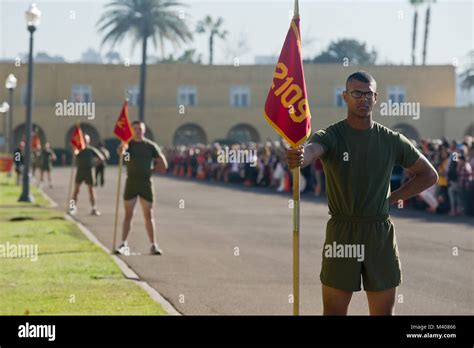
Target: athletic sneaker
point(95, 212)
point(73, 211)
point(155, 249)
point(123, 249)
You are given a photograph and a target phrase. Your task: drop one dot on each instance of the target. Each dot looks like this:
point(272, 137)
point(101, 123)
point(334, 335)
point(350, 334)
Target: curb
point(52, 204)
point(126, 270)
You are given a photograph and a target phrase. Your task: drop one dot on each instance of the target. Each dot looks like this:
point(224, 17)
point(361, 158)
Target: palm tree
point(142, 20)
point(427, 26)
point(467, 76)
point(113, 57)
point(415, 4)
point(213, 28)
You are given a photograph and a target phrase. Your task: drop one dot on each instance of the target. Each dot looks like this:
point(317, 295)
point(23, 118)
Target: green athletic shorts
point(84, 175)
point(358, 247)
point(142, 188)
point(46, 168)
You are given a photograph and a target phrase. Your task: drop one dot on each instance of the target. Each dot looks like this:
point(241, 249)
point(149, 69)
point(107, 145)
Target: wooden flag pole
point(71, 181)
point(296, 241)
point(119, 185)
point(117, 199)
point(296, 222)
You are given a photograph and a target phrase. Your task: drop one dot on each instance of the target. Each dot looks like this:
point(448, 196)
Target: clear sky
point(68, 28)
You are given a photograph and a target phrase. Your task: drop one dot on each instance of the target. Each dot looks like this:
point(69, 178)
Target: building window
point(243, 133)
point(133, 94)
point(396, 94)
point(187, 95)
point(240, 96)
point(338, 100)
point(81, 94)
point(189, 134)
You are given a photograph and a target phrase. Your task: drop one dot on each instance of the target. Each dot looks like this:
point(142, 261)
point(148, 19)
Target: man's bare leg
point(147, 208)
point(90, 188)
point(49, 179)
point(73, 204)
point(129, 207)
point(335, 301)
point(75, 193)
point(382, 302)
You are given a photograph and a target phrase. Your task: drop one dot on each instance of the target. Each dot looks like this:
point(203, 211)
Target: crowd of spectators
point(264, 165)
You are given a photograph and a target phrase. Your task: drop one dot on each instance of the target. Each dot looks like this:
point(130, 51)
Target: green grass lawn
point(71, 275)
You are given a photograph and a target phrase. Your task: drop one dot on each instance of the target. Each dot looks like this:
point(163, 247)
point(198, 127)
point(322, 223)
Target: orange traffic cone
point(201, 174)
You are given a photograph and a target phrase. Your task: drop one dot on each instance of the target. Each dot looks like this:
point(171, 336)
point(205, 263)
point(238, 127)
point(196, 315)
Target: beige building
point(199, 103)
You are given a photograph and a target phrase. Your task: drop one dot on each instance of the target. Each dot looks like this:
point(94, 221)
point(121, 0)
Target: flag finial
point(296, 12)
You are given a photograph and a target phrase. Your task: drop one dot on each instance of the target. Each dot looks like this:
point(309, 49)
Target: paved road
point(200, 272)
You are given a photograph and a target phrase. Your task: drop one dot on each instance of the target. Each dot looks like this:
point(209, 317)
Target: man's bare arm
point(161, 164)
point(304, 155)
point(122, 148)
point(312, 151)
point(425, 177)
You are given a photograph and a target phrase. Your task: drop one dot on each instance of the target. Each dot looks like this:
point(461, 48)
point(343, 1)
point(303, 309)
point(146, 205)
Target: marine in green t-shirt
point(142, 157)
point(84, 163)
point(358, 156)
point(358, 165)
point(46, 158)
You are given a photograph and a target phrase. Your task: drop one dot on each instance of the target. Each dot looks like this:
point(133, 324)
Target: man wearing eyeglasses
point(358, 156)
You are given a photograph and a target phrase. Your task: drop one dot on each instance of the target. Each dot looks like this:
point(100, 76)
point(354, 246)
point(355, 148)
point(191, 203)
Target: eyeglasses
point(357, 94)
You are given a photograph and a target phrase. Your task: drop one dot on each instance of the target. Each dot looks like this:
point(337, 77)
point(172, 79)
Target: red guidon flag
point(287, 108)
point(77, 139)
point(123, 130)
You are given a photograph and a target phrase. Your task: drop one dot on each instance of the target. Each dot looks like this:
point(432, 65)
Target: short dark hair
point(138, 122)
point(362, 76)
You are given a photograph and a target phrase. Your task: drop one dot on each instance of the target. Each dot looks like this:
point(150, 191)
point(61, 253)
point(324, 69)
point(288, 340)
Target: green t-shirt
point(46, 157)
point(140, 159)
point(358, 165)
point(84, 159)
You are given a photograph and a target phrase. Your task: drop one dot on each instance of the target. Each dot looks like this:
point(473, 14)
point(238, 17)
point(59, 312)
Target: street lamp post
point(32, 15)
point(10, 84)
point(4, 107)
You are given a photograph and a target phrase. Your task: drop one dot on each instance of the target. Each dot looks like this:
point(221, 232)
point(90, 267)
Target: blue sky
point(68, 28)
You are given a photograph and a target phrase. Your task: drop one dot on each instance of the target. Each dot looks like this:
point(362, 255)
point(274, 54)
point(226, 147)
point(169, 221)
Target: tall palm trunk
point(427, 26)
point(141, 111)
point(413, 42)
point(211, 48)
